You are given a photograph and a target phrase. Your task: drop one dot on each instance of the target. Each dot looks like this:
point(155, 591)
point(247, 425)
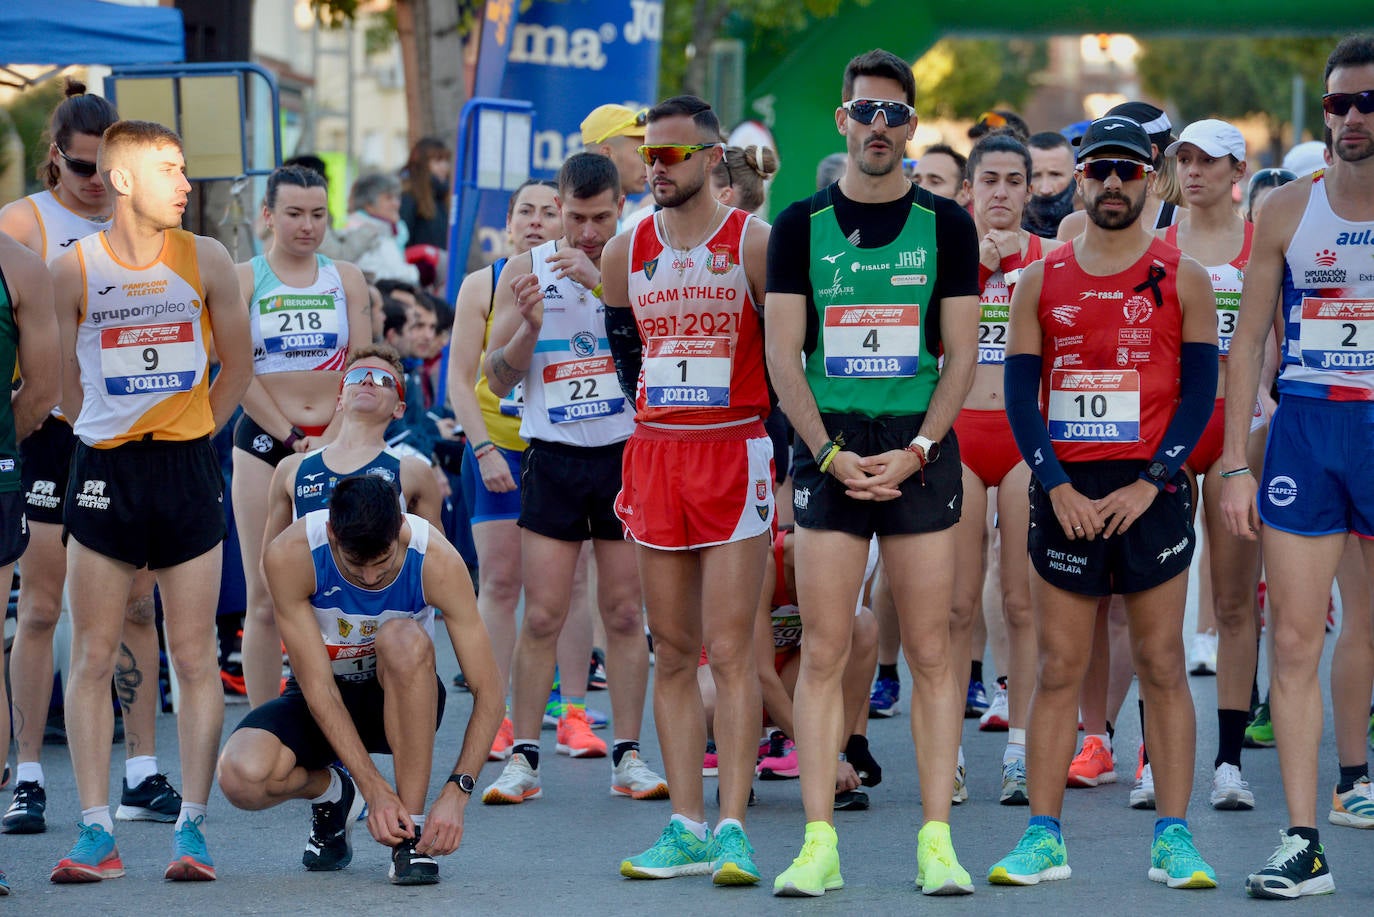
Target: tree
point(962, 78)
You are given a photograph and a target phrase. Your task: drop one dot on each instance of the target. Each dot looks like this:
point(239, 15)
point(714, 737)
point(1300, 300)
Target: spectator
point(425, 192)
point(375, 237)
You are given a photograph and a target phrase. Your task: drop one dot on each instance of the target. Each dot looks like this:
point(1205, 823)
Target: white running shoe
point(1202, 657)
point(997, 718)
point(633, 778)
point(1229, 791)
point(1143, 793)
point(518, 782)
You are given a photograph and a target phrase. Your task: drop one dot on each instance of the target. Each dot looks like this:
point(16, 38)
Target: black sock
point(1230, 736)
point(975, 672)
point(1351, 774)
point(1307, 834)
point(857, 753)
point(1145, 749)
point(1111, 733)
point(888, 671)
point(619, 751)
point(531, 753)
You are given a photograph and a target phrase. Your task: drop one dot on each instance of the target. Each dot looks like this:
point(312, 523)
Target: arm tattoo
point(502, 370)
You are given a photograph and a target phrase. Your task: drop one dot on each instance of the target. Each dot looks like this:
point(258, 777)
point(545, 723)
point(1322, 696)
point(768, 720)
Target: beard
point(1119, 220)
point(879, 167)
point(1353, 154)
point(678, 193)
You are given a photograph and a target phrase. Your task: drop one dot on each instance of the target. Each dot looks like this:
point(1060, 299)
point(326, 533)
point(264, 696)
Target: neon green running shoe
point(816, 870)
point(677, 852)
point(937, 868)
point(1175, 861)
point(1260, 732)
point(1038, 857)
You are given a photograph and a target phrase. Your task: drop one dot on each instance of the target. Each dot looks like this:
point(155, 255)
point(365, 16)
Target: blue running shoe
point(1038, 857)
point(4, 885)
point(883, 701)
point(190, 857)
point(977, 703)
point(1175, 861)
point(93, 857)
point(732, 857)
point(677, 852)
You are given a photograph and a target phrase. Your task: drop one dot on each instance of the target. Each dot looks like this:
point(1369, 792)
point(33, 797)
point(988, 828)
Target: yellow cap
point(607, 121)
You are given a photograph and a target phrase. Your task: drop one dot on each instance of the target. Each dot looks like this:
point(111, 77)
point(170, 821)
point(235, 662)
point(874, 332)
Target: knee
point(825, 658)
point(1058, 674)
point(1016, 609)
point(926, 655)
point(195, 664)
point(1293, 649)
point(141, 610)
point(243, 776)
point(730, 658)
point(624, 618)
point(1160, 670)
point(402, 645)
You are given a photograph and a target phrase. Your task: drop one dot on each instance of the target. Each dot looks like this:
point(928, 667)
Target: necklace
point(682, 256)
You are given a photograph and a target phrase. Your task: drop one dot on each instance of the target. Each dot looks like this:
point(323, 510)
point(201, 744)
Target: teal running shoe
point(732, 857)
point(1175, 861)
point(93, 857)
point(1038, 857)
point(190, 857)
point(677, 852)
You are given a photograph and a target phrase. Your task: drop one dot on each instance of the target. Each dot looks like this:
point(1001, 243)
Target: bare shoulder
point(17, 259)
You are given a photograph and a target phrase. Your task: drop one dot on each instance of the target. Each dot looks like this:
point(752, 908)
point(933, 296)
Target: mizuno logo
point(832, 258)
point(311, 477)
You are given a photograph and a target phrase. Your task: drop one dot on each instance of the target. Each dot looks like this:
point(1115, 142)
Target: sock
point(1015, 751)
point(975, 672)
point(1015, 736)
point(1163, 824)
point(32, 771)
point(1230, 736)
point(529, 748)
point(333, 792)
point(190, 811)
point(139, 768)
point(98, 815)
point(961, 748)
point(574, 703)
point(1307, 834)
point(698, 828)
point(1105, 739)
point(1111, 732)
point(727, 822)
point(888, 671)
point(621, 746)
point(1351, 774)
point(1144, 749)
point(419, 820)
point(1049, 823)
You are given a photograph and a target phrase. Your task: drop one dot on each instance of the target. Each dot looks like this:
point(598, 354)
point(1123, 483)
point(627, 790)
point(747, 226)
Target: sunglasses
point(670, 154)
point(1124, 169)
point(639, 119)
point(1339, 103)
point(895, 114)
point(379, 377)
point(85, 168)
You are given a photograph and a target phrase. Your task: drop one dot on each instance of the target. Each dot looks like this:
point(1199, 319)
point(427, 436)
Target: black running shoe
point(851, 801)
point(1298, 867)
point(328, 847)
point(409, 867)
point(25, 814)
point(154, 799)
point(596, 677)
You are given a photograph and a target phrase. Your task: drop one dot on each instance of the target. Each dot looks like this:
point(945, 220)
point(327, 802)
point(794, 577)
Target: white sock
point(1015, 751)
point(961, 748)
point(98, 815)
point(333, 792)
point(697, 828)
point(726, 822)
point(139, 768)
point(419, 821)
point(32, 771)
point(189, 812)
point(1016, 737)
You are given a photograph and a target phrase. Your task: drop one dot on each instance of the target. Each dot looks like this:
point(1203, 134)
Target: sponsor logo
point(551, 292)
point(1173, 453)
point(837, 287)
point(262, 443)
point(859, 267)
point(831, 259)
point(1363, 237)
point(1123, 356)
point(345, 627)
point(142, 313)
point(801, 497)
point(311, 477)
point(68, 243)
point(916, 259)
point(1065, 562)
point(1101, 294)
point(385, 474)
point(330, 591)
point(92, 496)
point(649, 268)
point(104, 291)
point(555, 46)
point(1137, 310)
point(583, 343)
point(1283, 490)
point(1039, 457)
point(683, 264)
point(908, 280)
point(1066, 315)
point(1173, 550)
point(1332, 277)
point(1326, 257)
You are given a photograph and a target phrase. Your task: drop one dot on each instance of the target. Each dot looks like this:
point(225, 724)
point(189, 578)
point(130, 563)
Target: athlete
point(1311, 249)
point(1210, 158)
point(306, 312)
point(356, 587)
point(139, 304)
point(73, 205)
point(1110, 377)
point(549, 333)
point(998, 185)
point(1161, 206)
point(698, 475)
point(1052, 186)
point(871, 278)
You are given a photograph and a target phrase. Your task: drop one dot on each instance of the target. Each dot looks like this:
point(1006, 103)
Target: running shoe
point(633, 778)
point(780, 763)
point(677, 852)
point(25, 814)
point(1175, 861)
point(190, 857)
point(410, 867)
point(1202, 656)
point(1298, 867)
point(997, 718)
point(596, 676)
point(328, 848)
point(1014, 791)
point(732, 857)
point(501, 745)
point(937, 868)
point(960, 793)
point(553, 708)
point(154, 799)
point(575, 737)
point(816, 870)
point(851, 801)
point(883, 701)
point(1143, 793)
point(1038, 857)
point(1229, 791)
point(1354, 808)
point(977, 702)
point(518, 782)
point(1260, 732)
point(4, 885)
point(460, 683)
point(93, 857)
point(1093, 765)
point(710, 761)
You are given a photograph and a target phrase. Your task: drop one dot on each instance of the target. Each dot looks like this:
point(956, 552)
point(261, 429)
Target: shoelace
point(1030, 843)
point(939, 852)
point(89, 840)
point(189, 838)
point(1290, 848)
point(809, 851)
point(735, 842)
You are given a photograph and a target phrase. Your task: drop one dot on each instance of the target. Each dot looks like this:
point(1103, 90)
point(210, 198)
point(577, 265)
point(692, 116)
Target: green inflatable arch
point(795, 92)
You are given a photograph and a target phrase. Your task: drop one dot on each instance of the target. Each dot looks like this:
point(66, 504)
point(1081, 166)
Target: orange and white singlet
point(60, 226)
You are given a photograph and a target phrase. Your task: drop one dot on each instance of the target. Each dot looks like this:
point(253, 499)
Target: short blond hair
point(123, 136)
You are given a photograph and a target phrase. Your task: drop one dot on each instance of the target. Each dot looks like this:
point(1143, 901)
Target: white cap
point(1305, 158)
point(1213, 137)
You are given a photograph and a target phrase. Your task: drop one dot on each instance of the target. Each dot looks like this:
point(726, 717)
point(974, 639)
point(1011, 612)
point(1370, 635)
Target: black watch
point(464, 782)
point(1157, 473)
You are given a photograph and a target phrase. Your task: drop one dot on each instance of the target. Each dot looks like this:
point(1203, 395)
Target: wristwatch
point(925, 448)
point(464, 782)
point(1157, 473)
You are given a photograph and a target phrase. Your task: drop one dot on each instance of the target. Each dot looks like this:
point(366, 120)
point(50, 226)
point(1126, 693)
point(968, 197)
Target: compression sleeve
point(627, 350)
point(1021, 380)
point(1197, 396)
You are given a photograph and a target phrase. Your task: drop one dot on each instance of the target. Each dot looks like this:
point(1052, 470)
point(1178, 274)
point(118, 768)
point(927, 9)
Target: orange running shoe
point(501, 745)
point(1093, 765)
point(575, 738)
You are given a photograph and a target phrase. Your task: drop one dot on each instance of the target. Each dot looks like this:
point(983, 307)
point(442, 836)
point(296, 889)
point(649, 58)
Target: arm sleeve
point(1021, 379)
point(1197, 395)
point(627, 350)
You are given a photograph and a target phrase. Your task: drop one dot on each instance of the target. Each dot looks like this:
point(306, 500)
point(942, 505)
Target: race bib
point(150, 359)
point(872, 342)
point(1337, 335)
point(295, 322)
point(582, 390)
point(1228, 311)
point(691, 372)
point(353, 661)
point(1094, 406)
point(787, 627)
point(992, 333)
point(512, 404)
